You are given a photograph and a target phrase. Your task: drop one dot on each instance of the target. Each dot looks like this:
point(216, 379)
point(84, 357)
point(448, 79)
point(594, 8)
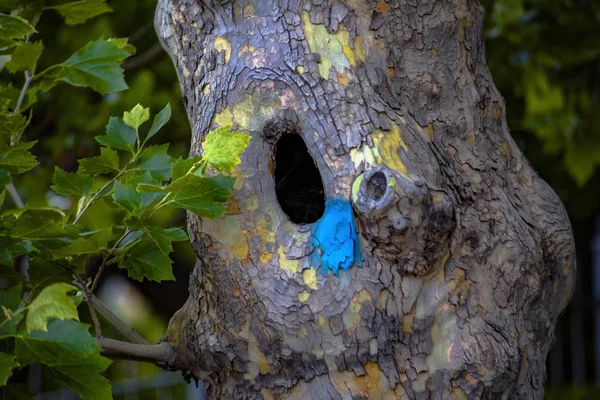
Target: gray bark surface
point(467, 255)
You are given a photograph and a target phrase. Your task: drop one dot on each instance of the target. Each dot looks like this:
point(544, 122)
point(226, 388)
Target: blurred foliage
point(545, 59)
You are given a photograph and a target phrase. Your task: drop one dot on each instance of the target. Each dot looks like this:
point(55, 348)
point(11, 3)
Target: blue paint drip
point(335, 238)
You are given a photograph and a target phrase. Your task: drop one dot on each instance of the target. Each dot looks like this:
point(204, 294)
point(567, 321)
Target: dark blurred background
point(545, 59)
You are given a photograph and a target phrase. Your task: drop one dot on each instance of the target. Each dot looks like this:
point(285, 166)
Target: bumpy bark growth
point(453, 258)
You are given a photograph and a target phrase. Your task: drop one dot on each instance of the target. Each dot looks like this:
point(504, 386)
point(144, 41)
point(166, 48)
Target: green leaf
point(9, 274)
point(2, 197)
point(221, 148)
point(157, 161)
point(14, 391)
point(25, 57)
point(12, 124)
point(72, 354)
point(80, 11)
point(52, 302)
point(203, 196)
point(137, 116)
point(88, 243)
point(96, 65)
point(127, 196)
point(67, 183)
point(38, 223)
point(181, 167)
point(10, 299)
point(4, 178)
point(160, 120)
point(164, 237)
point(145, 259)
point(123, 44)
point(7, 363)
point(12, 27)
point(17, 159)
point(43, 273)
point(106, 162)
point(119, 135)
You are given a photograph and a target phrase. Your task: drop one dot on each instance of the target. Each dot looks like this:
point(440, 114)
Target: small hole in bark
point(376, 185)
point(298, 183)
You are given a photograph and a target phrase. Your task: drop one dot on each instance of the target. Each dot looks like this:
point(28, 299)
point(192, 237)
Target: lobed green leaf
point(118, 136)
point(72, 355)
point(67, 183)
point(106, 162)
point(80, 11)
point(96, 65)
point(221, 148)
point(137, 116)
point(25, 57)
point(17, 159)
point(7, 363)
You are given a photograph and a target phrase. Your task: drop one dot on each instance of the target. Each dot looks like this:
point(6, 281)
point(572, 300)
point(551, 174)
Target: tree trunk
point(441, 261)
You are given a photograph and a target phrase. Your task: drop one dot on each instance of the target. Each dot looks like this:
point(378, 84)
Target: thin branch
point(12, 190)
point(161, 354)
point(105, 259)
point(98, 193)
point(128, 332)
point(28, 79)
point(144, 58)
point(90, 303)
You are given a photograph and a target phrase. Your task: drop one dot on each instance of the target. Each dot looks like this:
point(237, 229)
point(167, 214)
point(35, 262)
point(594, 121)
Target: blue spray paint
point(335, 238)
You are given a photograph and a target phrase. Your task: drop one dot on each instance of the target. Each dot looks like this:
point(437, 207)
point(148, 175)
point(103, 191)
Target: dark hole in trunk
point(298, 183)
point(376, 186)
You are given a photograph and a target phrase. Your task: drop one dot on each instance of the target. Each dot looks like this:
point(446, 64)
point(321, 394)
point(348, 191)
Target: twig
point(97, 195)
point(28, 79)
point(90, 303)
point(144, 58)
point(128, 332)
point(12, 190)
point(161, 354)
point(105, 259)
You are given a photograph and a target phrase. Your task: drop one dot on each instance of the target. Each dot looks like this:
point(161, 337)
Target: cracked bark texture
point(468, 256)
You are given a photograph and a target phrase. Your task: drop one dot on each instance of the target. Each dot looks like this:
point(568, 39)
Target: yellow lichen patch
point(245, 50)
point(365, 154)
point(228, 230)
point(434, 51)
point(302, 332)
point(266, 231)
point(390, 72)
point(267, 394)
point(380, 43)
point(290, 266)
point(309, 276)
point(224, 117)
point(344, 39)
point(359, 49)
point(442, 335)
point(496, 111)
point(330, 47)
point(351, 316)
point(458, 394)
point(176, 324)
point(300, 69)
point(369, 384)
point(342, 78)
point(242, 112)
point(356, 186)
point(460, 283)
point(383, 299)
point(249, 11)
point(206, 90)
point(358, 299)
point(388, 145)
point(322, 320)
point(252, 202)
point(258, 362)
point(222, 44)
point(382, 7)
point(303, 296)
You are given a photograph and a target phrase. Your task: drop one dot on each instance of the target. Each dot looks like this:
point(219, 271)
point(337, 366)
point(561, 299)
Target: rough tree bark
point(467, 255)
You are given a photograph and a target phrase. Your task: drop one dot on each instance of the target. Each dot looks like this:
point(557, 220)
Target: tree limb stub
point(161, 354)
